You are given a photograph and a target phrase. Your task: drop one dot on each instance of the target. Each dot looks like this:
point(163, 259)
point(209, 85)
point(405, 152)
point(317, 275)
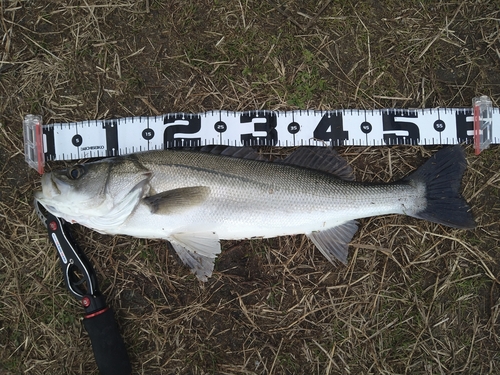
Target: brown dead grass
point(415, 298)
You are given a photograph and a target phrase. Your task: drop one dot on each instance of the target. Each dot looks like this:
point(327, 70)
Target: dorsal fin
point(235, 152)
point(323, 159)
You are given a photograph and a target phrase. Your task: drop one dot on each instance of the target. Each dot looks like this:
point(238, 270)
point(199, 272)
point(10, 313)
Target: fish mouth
point(50, 189)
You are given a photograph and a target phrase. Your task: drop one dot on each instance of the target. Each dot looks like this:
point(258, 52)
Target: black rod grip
point(109, 350)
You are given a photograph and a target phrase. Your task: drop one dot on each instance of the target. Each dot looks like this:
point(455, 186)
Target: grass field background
point(415, 297)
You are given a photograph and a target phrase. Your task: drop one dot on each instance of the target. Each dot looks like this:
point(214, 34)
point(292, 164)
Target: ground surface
point(415, 298)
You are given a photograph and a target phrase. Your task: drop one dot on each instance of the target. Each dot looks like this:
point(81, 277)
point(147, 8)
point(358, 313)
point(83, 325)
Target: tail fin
point(442, 176)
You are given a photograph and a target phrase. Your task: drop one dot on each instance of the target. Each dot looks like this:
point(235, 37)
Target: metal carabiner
point(78, 273)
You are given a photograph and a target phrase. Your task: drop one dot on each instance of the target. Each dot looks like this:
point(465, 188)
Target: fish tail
point(442, 176)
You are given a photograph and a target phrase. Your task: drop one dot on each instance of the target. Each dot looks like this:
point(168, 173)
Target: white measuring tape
point(347, 127)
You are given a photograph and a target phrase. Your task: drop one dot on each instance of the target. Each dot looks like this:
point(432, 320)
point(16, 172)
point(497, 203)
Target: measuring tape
point(346, 127)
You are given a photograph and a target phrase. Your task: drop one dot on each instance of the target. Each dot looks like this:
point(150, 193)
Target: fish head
point(98, 194)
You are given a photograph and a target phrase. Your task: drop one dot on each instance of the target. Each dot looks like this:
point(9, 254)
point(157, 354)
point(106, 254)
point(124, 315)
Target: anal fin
point(197, 251)
point(333, 243)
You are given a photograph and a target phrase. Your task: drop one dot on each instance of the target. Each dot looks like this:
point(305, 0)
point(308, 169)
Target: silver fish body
point(194, 199)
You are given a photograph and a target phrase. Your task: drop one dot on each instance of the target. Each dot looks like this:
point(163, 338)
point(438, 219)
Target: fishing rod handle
point(107, 343)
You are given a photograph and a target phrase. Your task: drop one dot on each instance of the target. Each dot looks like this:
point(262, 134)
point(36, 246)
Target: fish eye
point(76, 172)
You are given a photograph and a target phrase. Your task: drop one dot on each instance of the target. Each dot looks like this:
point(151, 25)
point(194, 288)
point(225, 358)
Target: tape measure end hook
point(33, 142)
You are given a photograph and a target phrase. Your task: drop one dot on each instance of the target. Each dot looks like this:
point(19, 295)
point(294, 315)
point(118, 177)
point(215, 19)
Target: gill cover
point(99, 195)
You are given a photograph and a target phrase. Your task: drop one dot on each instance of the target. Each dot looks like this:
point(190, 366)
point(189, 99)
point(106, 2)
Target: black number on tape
point(77, 140)
point(193, 126)
point(465, 129)
point(268, 126)
point(148, 134)
point(50, 153)
point(439, 125)
point(111, 127)
point(293, 128)
point(391, 126)
point(366, 127)
point(331, 128)
point(220, 127)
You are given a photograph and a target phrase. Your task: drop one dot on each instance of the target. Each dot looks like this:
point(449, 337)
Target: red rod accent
point(93, 315)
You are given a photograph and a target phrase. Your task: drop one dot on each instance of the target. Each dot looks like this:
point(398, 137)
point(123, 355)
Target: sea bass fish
point(196, 198)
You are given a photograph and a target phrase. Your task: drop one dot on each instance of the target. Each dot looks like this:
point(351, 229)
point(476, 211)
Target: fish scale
point(277, 190)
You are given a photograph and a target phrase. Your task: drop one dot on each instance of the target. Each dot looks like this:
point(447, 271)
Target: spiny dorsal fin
point(235, 152)
point(323, 159)
point(175, 200)
point(333, 243)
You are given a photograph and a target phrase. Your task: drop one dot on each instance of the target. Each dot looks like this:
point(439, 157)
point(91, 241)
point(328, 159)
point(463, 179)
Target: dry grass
point(415, 298)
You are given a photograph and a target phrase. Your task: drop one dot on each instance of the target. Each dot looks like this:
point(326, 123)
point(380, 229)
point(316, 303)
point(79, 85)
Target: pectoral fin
point(333, 243)
point(175, 200)
point(197, 251)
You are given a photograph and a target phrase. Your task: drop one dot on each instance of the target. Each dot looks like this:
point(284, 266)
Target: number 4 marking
point(331, 128)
